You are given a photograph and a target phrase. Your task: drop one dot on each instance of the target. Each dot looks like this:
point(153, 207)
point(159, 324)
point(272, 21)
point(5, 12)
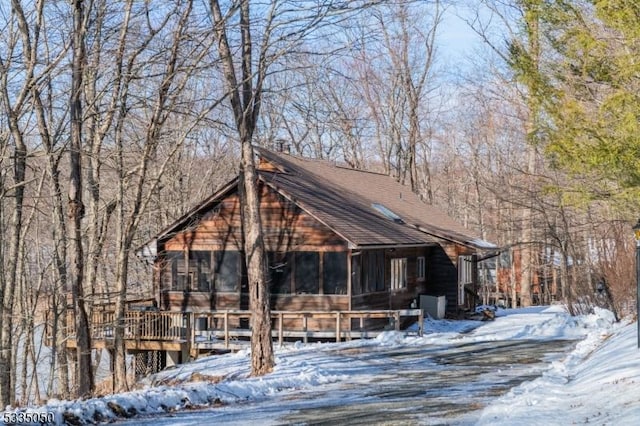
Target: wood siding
point(442, 272)
point(286, 227)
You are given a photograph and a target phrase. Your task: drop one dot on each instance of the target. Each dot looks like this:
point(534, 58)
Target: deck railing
point(138, 325)
point(223, 326)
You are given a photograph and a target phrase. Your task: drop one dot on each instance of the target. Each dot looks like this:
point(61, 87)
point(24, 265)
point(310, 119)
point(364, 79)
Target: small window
point(356, 274)
point(388, 213)
point(420, 268)
point(465, 269)
point(174, 271)
point(398, 273)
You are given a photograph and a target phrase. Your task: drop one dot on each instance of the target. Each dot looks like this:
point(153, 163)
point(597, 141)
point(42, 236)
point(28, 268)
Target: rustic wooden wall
point(286, 228)
point(442, 272)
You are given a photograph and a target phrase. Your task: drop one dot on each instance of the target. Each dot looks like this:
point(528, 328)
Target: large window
point(334, 273)
point(372, 271)
point(307, 272)
point(280, 272)
point(192, 273)
point(398, 273)
point(227, 271)
point(199, 270)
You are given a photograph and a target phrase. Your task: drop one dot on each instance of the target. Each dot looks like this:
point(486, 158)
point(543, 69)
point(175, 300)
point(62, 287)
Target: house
point(348, 251)
point(548, 272)
point(337, 239)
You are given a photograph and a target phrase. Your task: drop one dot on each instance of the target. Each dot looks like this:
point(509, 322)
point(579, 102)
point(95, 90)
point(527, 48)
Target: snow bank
point(596, 383)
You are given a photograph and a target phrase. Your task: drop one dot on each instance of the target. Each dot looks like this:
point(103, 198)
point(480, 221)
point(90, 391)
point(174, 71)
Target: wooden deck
point(198, 332)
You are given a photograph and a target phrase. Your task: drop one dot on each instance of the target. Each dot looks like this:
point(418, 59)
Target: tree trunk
point(120, 383)
point(84, 372)
point(245, 101)
point(261, 344)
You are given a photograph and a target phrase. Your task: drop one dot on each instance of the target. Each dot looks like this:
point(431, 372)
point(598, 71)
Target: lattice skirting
point(148, 362)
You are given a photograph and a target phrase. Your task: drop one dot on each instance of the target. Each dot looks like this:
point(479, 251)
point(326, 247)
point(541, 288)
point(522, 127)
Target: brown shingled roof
point(342, 199)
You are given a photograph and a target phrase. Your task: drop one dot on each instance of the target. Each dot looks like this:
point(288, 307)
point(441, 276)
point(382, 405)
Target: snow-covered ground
point(597, 382)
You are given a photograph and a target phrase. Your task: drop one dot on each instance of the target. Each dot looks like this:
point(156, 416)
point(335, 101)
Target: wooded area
point(117, 117)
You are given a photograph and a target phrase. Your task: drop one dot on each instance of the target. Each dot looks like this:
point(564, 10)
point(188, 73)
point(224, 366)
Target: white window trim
point(398, 273)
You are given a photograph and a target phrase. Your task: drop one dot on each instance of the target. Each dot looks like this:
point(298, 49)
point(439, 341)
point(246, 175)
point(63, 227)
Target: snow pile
point(217, 380)
point(596, 383)
point(540, 323)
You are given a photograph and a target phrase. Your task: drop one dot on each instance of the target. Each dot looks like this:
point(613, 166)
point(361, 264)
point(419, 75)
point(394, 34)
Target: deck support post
point(305, 339)
point(190, 335)
point(226, 329)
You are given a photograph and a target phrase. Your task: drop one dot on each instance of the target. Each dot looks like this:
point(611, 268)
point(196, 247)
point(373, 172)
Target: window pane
point(356, 273)
point(307, 272)
point(174, 271)
point(398, 273)
point(379, 268)
point(200, 270)
point(334, 273)
point(373, 268)
point(280, 271)
point(226, 272)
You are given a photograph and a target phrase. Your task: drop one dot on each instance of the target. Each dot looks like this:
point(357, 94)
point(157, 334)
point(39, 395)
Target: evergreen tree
point(586, 82)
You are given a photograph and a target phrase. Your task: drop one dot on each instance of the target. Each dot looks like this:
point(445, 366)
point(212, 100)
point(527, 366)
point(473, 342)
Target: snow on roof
point(483, 244)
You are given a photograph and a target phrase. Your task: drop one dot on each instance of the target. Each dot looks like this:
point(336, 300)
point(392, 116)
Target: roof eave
point(390, 246)
point(185, 218)
point(474, 243)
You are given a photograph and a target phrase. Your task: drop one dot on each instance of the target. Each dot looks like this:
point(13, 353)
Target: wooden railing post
point(226, 329)
point(305, 339)
point(192, 336)
point(421, 323)
point(280, 328)
point(338, 326)
point(396, 319)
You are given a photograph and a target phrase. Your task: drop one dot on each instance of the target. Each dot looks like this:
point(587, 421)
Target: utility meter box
point(434, 306)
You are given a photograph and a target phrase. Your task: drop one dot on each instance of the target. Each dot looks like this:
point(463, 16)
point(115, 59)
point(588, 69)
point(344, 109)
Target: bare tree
point(280, 30)
point(76, 211)
point(169, 120)
point(245, 101)
point(20, 56)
